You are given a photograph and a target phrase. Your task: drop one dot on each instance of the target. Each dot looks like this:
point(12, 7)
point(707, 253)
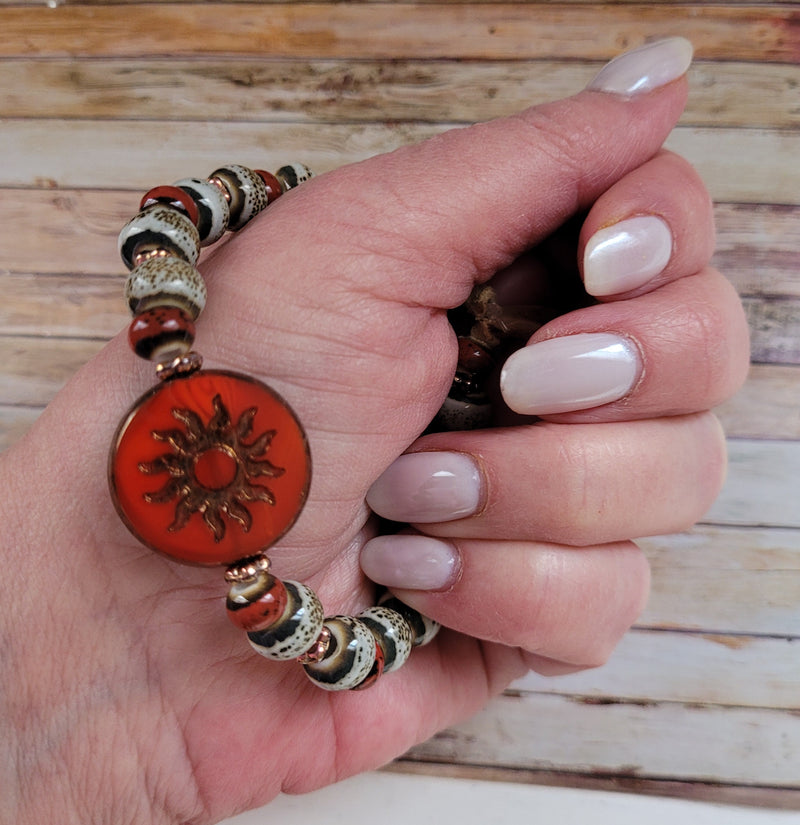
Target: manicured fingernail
point(427, 487)
point(411, 562)
point(645, 68)
point(575, 372)
point(626, 255)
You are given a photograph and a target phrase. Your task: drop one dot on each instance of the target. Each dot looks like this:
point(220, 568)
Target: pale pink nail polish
point(427, 487)
point(644, 69)
point(411, 562)
point(574, 372)
point(626, 255)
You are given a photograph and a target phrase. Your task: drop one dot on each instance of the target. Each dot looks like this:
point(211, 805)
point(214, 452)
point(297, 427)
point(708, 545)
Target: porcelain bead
point(298, 628)
point(157, 229)
point(247, 190)
point(166, 282)
point(393, 633)
point(161, 333)
point(350, 657)
point(257, 603)
point(273, 185)
point(212, 208)
point(423, 629)
point(174, 197)
point(292, 175)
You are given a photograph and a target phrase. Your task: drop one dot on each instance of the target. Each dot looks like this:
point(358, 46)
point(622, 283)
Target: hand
point(127, 695)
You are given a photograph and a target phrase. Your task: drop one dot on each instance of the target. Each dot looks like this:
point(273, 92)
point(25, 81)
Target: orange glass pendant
point(209, 468)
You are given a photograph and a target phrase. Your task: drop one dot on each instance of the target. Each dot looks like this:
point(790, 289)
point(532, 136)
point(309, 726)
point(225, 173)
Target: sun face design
point(213, 469)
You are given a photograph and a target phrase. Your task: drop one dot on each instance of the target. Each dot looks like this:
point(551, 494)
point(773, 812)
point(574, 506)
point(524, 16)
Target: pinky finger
point(569, 605)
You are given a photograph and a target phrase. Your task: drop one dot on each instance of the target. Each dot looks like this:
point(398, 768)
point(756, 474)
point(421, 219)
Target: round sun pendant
point(209, 468)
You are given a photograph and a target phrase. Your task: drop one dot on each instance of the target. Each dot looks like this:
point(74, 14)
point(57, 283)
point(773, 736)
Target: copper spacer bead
point(180, 365)
point(320, 648)
point(222, 188)
point(247, 568)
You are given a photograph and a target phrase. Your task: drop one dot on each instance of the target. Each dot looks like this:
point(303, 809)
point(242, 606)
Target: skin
point(127, 697)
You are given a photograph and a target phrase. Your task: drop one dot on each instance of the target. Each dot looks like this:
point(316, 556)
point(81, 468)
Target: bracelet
point(212, 467)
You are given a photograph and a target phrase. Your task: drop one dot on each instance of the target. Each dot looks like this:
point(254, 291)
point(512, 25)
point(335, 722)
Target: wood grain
point(345, 91)
point(392, 31)
point(639, 740)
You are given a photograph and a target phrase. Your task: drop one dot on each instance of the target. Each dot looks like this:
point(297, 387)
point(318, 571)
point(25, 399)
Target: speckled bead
point(247, 190)
point(423, 629)
point(350, 657)
point(257, 603)
point(159, 228)
point(393, 633)
point(292, 175)
point(296, 630)
point(212, 208)
point(457, 414)
point(166, 282)
point(161, 333)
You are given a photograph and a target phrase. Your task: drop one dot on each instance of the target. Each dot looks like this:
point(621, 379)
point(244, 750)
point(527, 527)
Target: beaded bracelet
point(212, 467)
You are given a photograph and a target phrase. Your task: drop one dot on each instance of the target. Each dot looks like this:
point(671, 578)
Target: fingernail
point(626, 255)
point(574, 372)
point(410, 562)
point(645, 68)
point(427, 487)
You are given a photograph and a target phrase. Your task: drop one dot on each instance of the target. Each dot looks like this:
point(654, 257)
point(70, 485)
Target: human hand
point(145, 704)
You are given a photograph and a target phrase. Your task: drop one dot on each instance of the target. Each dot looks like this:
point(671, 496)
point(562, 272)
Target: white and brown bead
point(423, 629)
point(247, 193)
point(350, 657)
point(166, 282)
point(296, 631)
point(393, 633)
point(292, 175)
point(158, 230)
point(212, 206)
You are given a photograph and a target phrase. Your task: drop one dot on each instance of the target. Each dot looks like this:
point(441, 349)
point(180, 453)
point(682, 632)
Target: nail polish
point(427, 487)
point(574, 372)
point(411, 562)
point(646, 68)
point(626, 255)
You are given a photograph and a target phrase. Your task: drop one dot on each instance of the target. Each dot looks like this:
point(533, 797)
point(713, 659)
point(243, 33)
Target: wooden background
point(99, 101)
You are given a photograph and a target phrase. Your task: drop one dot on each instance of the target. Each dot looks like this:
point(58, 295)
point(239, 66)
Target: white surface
point(394, 799)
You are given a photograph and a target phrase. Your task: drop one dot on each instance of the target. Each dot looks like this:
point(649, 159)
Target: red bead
point(210, 468)
point(161, 332)
point(472, 357)
point(175, 197)
point(258, 604)
point(274, 189)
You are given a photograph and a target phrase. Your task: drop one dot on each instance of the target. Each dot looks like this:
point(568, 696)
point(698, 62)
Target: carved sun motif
point(212, 469)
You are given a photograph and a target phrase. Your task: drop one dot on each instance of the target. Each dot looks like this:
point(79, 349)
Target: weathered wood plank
point(767, 406)
point(774, 329)
point(753, 166)
point(339, 91)
point(761, 476)
point(390, 31)
point(725, 581)
point(156, 151)
point(692, 743)
point(695, 668)
point(758, 248)
point(774, 799)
